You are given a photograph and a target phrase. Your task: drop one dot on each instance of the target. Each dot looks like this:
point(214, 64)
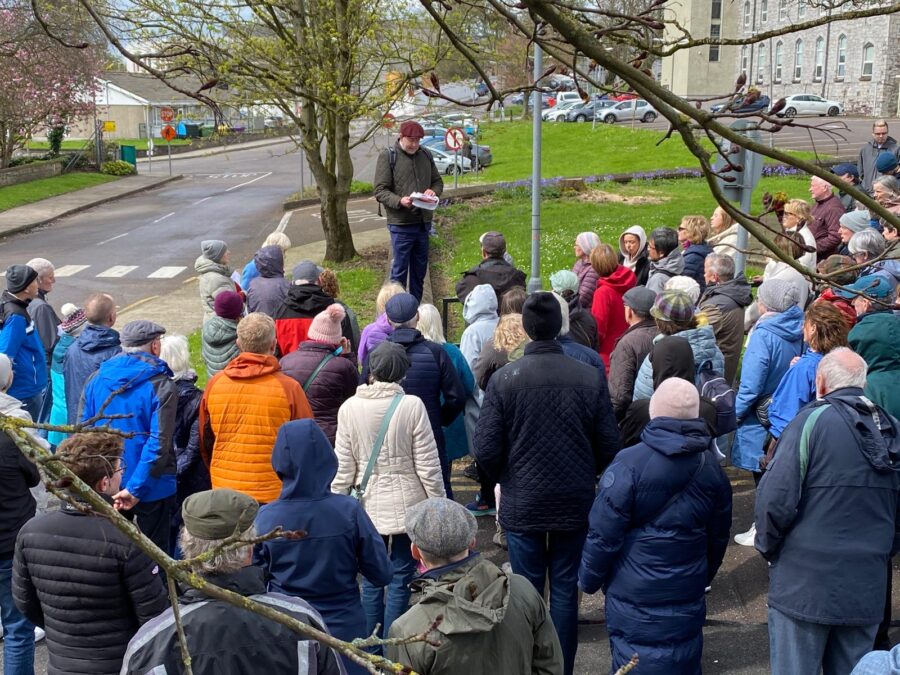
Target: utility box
point(128, 153)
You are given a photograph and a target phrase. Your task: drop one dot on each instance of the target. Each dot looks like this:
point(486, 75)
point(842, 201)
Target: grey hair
point(564, 311)
point(412, 323)
point(176, 353)
point(842, 367)
point(430, 324)
point(721, 265)
point(224, 562)
point(869, 241)
point(138, 349)
point(42, 266)
point(888, 182)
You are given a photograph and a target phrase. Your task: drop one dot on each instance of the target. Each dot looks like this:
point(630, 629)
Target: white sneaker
point(39, 634)
point(746, 538)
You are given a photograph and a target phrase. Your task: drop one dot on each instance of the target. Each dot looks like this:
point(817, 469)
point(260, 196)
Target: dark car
point(481, 89)
point(479, 154)
point(738, 106)
point(586, 111)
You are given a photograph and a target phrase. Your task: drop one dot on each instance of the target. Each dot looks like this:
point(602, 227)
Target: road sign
point(454, 138)
point(166, 114)
point(168, 132)
point(388, 121)
point(109, 126)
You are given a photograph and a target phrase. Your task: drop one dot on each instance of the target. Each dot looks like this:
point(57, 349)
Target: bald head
point(840, 368)
point(676, 398)
point(100, 309)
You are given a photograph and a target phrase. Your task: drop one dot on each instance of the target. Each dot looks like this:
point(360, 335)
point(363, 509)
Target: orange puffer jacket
point(242, 408)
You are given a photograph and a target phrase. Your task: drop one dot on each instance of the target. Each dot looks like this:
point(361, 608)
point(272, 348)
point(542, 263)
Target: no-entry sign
point(454, 138)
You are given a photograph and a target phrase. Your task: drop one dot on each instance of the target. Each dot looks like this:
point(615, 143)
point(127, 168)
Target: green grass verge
point(36, 190)
point(571, 149)
point(197, 360)
point(139, 143)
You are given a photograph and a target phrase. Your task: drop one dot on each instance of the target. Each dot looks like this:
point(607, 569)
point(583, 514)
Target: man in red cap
point(400, 171)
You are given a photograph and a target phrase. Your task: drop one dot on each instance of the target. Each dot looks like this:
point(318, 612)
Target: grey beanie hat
point(855, 221)
point(388, 362)
point(441, 527)
point(778, 294)
point(213, 249)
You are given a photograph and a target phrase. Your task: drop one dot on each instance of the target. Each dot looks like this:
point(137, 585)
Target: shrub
point(117, 168)
point(55, 139)
point(360, 187)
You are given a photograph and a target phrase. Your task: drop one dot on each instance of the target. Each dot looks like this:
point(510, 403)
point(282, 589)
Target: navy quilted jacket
point(546, 431)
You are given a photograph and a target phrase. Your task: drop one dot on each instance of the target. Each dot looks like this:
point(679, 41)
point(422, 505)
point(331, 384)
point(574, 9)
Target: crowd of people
point(596, 420)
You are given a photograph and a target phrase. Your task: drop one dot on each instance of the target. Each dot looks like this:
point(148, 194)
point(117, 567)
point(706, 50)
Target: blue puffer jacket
point(149, 401)
point(652, 557)
point(703, 344)
point(59, 414)
point(20, 341)
point(695, 261)
point(340, 543)
point(796, 389)
point(775, 341)
point(584, 354)
point(95, 345)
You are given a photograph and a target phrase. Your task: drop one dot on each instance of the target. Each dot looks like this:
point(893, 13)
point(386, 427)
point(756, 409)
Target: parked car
point(627, 96)
point(476, 150)
point(466, 122)
point(481, 89)
point(627, 110)
point(516, 99)
point(558, 112)
point(810, 104)
point(548, 100)
point(566, 96)
point(738, 106)
point(443, 160)
point(561, 83)
point(434, 131)
point(586, 111)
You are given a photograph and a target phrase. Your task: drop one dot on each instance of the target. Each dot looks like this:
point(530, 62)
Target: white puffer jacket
point(408, 470)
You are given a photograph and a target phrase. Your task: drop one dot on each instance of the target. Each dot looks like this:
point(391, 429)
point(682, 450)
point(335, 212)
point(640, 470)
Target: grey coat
point(214, 278)
point(46, 320)
point(625, 360)
point(867, 156)
point(218, 343)
point(268, 291)
point(412, 173)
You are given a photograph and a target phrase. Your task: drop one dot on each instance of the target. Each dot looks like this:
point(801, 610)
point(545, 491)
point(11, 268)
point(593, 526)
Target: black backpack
point(713, 386)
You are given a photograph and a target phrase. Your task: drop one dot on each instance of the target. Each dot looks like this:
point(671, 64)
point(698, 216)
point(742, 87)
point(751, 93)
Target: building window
point(715, 30)
point(746, 16)
point(744, 59)
point(761, 63)
point(820, 59)
point(801, 9)
point(842, 56)
point(779, 60)
point(868, 60)
point(798, 60)
point(782, 10)
point(764, 11)
point(716, 10)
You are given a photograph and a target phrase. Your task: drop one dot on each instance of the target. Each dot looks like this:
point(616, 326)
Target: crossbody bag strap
point(315, 373)
point(379, 441)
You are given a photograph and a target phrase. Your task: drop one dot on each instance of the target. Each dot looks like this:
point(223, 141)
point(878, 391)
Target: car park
point(444, 161)
point(738, 105)
point(637, 109)
point(810, 104)
point(478, 154)
point(558, 112)
point(586, 111)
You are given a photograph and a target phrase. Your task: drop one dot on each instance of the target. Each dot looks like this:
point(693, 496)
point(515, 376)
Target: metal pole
point(534, 283)
point(455, 168)
point(169, 147)
point(149, 141)
point(750, 169)
point(302, 162)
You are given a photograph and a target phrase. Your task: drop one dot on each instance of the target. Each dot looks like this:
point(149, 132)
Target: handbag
point(357, 491)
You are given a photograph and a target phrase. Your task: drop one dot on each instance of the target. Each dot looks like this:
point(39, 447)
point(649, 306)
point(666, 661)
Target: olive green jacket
point(412, 173)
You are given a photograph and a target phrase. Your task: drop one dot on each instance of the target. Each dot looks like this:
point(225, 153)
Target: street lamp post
point(534, 283)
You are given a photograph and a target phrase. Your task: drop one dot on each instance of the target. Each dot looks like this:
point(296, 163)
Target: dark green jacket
point(876, 337)
point(412, 173)
point(493, 624)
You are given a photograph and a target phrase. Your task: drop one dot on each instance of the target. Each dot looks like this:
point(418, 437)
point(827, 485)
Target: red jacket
point(608, 309)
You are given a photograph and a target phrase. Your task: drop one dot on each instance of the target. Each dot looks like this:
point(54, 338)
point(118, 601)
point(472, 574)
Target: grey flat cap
point(140, 332)
point(306, 270)
point(441, 527)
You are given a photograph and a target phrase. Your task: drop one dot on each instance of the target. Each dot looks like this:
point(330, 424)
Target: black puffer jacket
point(17, 475)
point(582, 325)
point(334, 384)
point(494, 271)
point(88, 586)
point(546, 431)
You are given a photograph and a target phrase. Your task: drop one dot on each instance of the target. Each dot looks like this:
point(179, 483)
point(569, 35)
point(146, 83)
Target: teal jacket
point(875, 337)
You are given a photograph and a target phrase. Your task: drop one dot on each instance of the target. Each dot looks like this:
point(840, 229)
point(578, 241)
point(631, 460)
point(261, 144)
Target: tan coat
point(407, 471)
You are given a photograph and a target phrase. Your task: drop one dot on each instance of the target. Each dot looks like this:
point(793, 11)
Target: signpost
point(168, 133)
point(454, 139)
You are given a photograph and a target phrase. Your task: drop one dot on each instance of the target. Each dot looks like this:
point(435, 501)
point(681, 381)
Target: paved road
point(146, 245)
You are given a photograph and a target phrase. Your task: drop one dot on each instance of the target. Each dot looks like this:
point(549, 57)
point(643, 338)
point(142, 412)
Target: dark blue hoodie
point(653, 558)
point(95, 345)
point(340, 543)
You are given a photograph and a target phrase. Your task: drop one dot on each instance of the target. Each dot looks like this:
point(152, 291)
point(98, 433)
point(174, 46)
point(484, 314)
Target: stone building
point(855, 62)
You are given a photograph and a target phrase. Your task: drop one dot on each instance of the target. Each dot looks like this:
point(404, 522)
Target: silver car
point(558, 112)
point(636, 108)
point(443, 160)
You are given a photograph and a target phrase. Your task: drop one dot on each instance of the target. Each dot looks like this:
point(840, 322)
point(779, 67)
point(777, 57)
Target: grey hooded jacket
point(214, 278)
point(268, 291)
point(664, 269)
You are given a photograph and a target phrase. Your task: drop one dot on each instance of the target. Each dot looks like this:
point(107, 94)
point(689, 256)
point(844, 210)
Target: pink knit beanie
point(326, 326)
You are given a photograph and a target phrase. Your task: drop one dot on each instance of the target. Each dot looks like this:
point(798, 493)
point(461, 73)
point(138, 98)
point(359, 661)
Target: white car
point(558, 112)
point(810, 104)
point(636, 108)
point(443, 160)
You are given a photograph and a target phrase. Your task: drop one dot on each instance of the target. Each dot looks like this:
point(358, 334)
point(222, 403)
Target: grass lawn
point(607, 209)
point(36, 190)
point(570, 149)
point(139, 143)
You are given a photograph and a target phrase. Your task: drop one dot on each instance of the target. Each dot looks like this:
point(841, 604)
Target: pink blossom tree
point(43, 81)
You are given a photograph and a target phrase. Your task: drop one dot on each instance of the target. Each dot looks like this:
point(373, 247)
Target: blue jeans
point(409, 244)
point(557, 555)
point(799, 647)
point(374, 605)
point(18, 632)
